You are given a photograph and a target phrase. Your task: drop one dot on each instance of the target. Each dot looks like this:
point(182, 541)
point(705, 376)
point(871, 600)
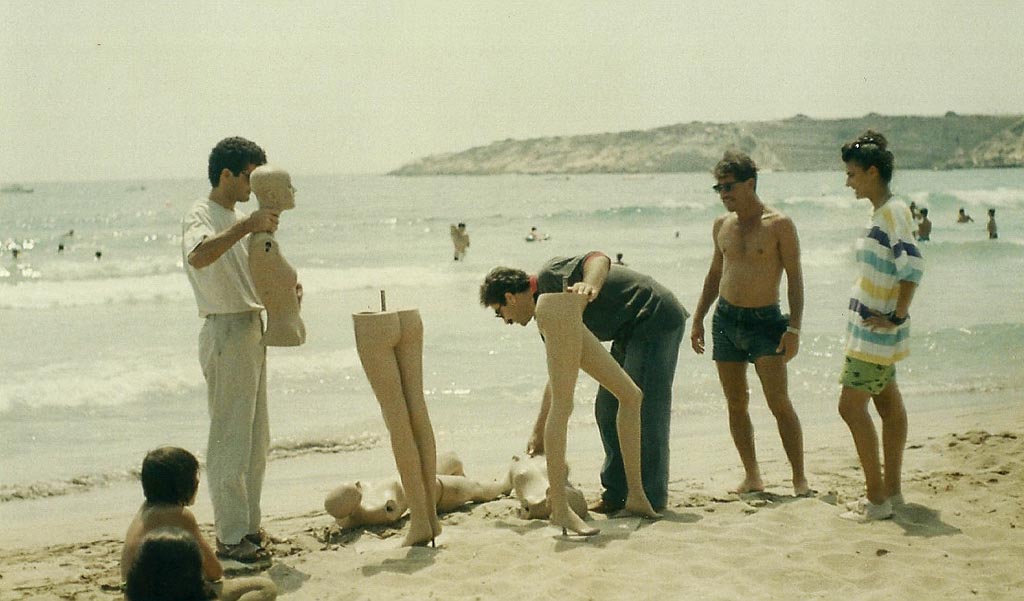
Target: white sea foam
point(43, 293)
point(1005, 198)
point(103, 383)
point(172, 286)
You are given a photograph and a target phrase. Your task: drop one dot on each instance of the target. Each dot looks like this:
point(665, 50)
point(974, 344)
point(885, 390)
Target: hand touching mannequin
point(570, 347)
point(390, 346)
point(370, 504)
point(274, 278)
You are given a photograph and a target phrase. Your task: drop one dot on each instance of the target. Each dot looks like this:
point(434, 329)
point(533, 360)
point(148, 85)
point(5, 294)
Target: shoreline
point(964, 518)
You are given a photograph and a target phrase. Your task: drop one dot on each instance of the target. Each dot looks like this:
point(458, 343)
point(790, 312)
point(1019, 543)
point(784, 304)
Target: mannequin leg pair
point(570, 347)
point(390, 346)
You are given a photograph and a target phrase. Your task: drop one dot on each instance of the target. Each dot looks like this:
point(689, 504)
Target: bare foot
point(749, 485)
point(639, 505)
point(801, 488)
point(569, 520)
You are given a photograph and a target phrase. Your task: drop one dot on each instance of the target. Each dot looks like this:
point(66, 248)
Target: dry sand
point(961, 535)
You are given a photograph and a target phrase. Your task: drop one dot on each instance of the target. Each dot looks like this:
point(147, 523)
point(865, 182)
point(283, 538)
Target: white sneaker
point(866, 511)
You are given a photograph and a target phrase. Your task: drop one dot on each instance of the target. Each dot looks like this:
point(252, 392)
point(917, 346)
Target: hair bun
point(873, 137)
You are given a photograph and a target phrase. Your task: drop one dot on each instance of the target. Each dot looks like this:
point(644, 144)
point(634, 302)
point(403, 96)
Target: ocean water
point(98, 359)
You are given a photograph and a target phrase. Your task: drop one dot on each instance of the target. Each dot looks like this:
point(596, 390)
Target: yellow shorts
point(869, 377)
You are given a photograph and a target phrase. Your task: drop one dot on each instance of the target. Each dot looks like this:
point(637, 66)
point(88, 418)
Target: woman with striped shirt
point(890, 268)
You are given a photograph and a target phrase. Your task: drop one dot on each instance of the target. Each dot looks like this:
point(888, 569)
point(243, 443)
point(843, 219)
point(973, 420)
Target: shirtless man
point(753, 244)
point(924, 229)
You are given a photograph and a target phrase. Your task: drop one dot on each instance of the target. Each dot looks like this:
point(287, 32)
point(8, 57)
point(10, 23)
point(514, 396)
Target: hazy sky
point(135, 90)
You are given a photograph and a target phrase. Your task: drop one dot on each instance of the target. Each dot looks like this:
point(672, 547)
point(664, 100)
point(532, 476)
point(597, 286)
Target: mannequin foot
point(419, 537)
point(749, 484)
point(639, 505)
point(568, 520)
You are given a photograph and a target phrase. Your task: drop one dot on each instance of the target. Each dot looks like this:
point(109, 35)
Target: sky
point(108, 90)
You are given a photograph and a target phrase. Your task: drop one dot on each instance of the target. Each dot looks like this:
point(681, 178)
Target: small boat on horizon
point(16, 189)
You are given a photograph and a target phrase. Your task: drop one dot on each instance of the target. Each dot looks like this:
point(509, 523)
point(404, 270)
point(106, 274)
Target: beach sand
point(960, 536)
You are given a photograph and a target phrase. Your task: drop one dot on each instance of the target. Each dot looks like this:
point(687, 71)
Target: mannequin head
point(272, 187)
point(530, 484)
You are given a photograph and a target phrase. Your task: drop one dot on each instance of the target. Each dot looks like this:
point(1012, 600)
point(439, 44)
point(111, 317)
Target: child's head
point(170, 475)
point(168, 567)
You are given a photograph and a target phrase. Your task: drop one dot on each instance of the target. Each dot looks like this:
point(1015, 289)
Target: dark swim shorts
point(746, 333)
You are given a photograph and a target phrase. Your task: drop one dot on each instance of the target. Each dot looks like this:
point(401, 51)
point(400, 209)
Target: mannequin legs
point(410, 362)
point(600, 365)
point(390, 349)
point(570, 346)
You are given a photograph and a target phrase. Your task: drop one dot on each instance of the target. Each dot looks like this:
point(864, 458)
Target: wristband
point(793, 330)
point(897, 320)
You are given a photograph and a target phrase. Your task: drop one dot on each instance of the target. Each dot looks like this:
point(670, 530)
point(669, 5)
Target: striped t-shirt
point(886, 255)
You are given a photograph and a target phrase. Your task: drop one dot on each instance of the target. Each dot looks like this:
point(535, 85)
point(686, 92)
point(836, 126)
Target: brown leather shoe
point(243, 552)
point(605, 507)
point(262, 539)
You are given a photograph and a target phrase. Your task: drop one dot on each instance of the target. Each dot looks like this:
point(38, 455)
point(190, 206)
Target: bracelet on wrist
point(793, 330)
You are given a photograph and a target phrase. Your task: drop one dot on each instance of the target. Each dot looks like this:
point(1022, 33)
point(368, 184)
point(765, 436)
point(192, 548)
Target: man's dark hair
point(924, 211)
point(169, 567)
point(169, 476)
point(737, 164)
point(501, 280)
point(870, 149)
point(234, 154)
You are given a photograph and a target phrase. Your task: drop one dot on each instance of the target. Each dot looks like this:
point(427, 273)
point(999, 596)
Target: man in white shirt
point(230, 353)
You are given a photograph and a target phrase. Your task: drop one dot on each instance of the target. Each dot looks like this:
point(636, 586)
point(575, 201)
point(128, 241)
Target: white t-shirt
point(224, 286)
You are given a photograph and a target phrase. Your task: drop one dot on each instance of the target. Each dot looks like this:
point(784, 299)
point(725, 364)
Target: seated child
point(168, 565)
point(170, 480)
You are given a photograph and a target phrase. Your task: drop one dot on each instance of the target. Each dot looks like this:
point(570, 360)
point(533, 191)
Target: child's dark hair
point(501, 280)
point(870, 149)
point(168, 567)
point(169, 476)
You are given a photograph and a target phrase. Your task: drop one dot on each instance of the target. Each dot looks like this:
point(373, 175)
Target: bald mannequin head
point(272, 187)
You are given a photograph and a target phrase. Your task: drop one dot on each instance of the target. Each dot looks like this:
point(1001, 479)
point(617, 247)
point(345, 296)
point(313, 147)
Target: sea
point(98, 341)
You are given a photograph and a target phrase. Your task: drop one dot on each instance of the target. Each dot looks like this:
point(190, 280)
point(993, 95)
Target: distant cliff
point(796, 144)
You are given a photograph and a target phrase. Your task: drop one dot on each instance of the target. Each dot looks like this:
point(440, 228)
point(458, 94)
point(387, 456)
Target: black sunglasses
point(726, 187)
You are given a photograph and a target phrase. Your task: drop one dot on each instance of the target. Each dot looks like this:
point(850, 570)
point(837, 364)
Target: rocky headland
point(799, 143)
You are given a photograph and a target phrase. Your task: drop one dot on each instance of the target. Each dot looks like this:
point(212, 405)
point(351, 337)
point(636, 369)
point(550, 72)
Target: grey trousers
point(235, 367)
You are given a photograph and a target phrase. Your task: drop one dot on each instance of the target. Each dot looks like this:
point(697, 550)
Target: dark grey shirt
point(629, 305)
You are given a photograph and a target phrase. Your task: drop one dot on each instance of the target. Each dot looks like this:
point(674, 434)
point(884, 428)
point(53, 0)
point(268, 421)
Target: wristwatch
point(897, 320)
